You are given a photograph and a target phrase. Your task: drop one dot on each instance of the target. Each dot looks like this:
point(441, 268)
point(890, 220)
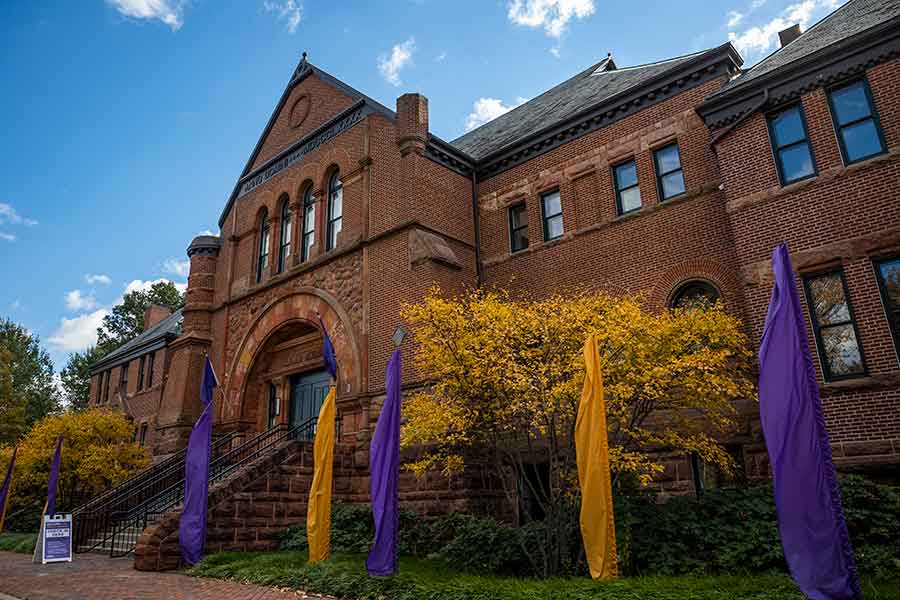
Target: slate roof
point(850, 19)
point(596, 84)
point(168, 327)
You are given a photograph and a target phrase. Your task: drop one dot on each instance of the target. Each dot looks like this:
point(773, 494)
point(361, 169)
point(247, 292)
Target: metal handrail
point(136, 518)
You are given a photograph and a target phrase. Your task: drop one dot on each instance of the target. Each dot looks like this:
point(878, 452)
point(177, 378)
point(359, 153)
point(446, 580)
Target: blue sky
point(126, 122)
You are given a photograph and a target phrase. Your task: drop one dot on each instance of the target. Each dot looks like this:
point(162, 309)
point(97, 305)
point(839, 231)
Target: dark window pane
point(552, 205)
point(890, 277)
point(517, 214)
point(626, 175)
point(672, 184)
point(830, 306)
point(796, 163)
point(630, 199)
point(851, 103)
point(695, 293)
point(554, 227)
point(519, 240)
point(668, 159)
point(861, 140)
point(842, 350)
point(787, 127)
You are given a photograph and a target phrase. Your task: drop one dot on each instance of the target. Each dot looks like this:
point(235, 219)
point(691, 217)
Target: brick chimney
point(153, 314)
point(786, 36)
point(412, 123)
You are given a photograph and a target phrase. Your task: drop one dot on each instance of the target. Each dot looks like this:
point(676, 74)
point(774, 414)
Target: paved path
point(97, 577)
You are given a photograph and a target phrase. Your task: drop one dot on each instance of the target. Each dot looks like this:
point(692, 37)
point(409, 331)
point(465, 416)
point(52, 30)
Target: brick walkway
point(97, 577)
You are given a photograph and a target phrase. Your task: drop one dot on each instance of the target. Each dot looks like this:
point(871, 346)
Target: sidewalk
point(98, 577)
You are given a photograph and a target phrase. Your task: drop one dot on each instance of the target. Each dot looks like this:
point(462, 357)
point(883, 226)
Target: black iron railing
point(126, 526)
point(93, 521)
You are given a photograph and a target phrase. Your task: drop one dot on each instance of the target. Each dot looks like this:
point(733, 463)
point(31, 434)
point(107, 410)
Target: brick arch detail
point(723, 278)
point(302, 305)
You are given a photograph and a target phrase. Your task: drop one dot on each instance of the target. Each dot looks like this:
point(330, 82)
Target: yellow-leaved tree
point(98, 451)
point(506, 376)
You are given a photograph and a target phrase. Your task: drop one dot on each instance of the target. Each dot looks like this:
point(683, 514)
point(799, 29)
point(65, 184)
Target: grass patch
point(345, 576)
point(18, 542)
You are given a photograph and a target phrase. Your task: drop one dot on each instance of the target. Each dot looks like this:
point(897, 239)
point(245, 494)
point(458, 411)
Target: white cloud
point(7, 236)
point(488, 109)
point(206, 232)
point(552, 15)
point(756, 40)
point(440, 57)
point(76, 300)
point(390, 65)
point(78, 332)
point(167, 11)
point(734, 18)
point(288, 10)
point(177, 267)
point(9, 216)
point(555, 51)
point(98, 278)
point(144, 286)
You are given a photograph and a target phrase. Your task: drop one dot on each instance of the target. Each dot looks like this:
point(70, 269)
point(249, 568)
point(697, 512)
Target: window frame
point(284, 247)
point(262, 254)
point(334, 185)
point(618, 189)
point(679, 291)
point(873, 115)
point(770, 117)
point(143, 434)
point(309, 203)
point(659, 174)
point(514, 230)
point(882, 292)
point(150, 364)
point(545, 217)
point(140, 379)
point(106, 386)
point(817, 329)
point(100, 387)
point(123, 376)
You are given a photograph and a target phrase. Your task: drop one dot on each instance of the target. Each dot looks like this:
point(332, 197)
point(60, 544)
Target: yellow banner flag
point(592, 452)
point(318, 511)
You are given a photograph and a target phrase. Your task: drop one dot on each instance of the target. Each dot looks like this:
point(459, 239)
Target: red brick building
point(675, 179)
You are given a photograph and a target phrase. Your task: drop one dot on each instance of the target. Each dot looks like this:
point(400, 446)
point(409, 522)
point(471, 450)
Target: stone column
point(180, 404)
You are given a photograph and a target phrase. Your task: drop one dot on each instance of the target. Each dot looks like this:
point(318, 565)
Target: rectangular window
point(284, 249)
point(551, 214)
point(123, 378)
point(150, 364)
point(99, 388)
point(335, 212)
point(833, 324)
point(518, 228)
point(888, 273)
point(106, 387)
point(669, 175)
point(143, 434)
point(628, 192)
point(856, 122)
point(308, 235)
point(790, 143)
point(263, 260)
point(140, 381)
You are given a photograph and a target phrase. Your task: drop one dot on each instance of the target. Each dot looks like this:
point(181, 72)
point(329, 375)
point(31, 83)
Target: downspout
point(476, 219)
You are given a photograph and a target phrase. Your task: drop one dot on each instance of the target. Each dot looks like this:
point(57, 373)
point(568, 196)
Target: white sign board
point(56, 536)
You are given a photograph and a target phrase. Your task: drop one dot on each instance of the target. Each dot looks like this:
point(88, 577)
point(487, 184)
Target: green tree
point(76, 377)
point(12, 406)
point(127, 318)
point(32, 371)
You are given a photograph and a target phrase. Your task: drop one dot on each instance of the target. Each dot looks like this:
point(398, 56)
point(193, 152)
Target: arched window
point(263, 260)
point(308, 234)
point(694, 293)
point(335, 210)
point(284, 247)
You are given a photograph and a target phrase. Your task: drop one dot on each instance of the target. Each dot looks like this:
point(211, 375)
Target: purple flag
point(54, 475)
point(192, 527)
point(384, 457)
point(4, 491)
point(810, 515)
point(328, 352)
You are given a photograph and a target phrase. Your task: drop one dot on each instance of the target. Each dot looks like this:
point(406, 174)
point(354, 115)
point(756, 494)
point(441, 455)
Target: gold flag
point(592, 452)
point(318, 511)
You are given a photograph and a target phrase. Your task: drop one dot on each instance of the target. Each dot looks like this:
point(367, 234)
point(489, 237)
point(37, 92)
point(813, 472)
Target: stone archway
point(294, 313)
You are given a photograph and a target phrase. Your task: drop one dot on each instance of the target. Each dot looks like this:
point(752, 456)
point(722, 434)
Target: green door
point(308, 391)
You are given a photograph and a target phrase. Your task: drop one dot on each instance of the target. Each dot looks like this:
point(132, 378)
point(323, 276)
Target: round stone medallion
point(299, 111)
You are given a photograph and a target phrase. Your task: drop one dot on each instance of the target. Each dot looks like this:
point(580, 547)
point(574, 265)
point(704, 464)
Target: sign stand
point(54, 543)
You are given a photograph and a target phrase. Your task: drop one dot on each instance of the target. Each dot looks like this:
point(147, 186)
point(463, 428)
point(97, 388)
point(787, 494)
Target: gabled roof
point(595, 85)
point(154, 338)
point(303, 70)
point(854, 17)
